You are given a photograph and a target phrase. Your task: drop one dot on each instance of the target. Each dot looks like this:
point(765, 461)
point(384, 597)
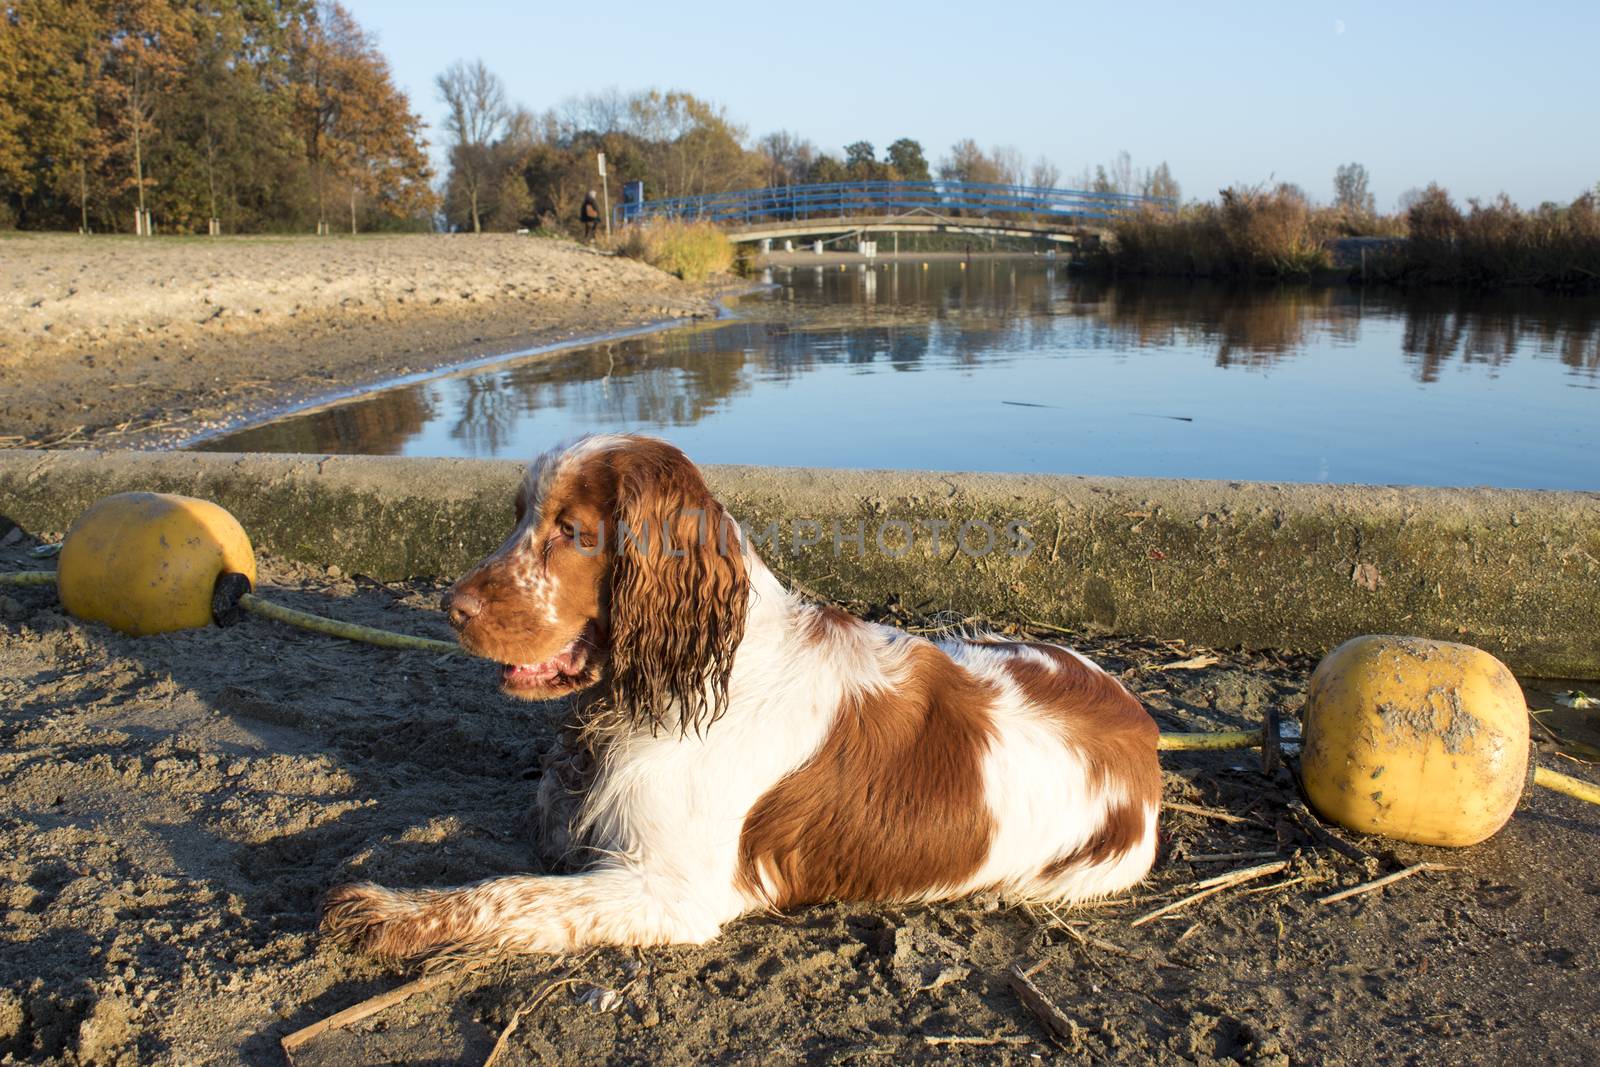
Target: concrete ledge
point(1221, 563)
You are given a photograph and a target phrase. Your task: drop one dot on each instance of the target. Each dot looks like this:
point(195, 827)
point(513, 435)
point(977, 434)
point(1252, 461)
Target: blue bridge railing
point(844, 199)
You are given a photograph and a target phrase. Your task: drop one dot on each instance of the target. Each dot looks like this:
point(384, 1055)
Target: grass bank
point(1276, 234)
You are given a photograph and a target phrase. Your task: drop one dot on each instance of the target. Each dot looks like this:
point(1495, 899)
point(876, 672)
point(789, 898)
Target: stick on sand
point(1053, 1018)
point(369, 1007)
point(1209, 813)
point(539, 997)
point(958, 1039)
point(1388, 879)
point(1214, 885)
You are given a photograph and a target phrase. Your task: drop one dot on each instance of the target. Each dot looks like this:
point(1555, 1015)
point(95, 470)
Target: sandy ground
point(172, 808)
point(125, 341)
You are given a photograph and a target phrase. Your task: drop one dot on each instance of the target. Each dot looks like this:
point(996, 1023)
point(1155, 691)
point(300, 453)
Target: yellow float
point(146, 563)
point(1418, 740)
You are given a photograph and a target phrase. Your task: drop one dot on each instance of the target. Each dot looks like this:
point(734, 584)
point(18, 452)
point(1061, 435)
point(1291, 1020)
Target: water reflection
point(1013, 365)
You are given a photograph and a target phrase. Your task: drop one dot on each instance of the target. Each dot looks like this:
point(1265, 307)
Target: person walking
point(589, 213)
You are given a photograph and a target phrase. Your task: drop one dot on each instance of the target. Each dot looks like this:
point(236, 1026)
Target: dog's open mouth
point(574, 667)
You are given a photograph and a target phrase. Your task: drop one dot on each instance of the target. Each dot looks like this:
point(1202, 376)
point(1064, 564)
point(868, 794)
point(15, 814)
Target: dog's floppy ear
point(679, 591)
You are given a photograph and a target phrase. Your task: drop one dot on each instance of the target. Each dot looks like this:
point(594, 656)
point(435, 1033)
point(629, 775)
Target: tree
point(968, 163)
point(1351, 191)
point(357, 127)
point(787, 157)
point(690, 145)
point(52, 146)
point(230, 152)
point(859, 155)
point(1160, 183)
point(1009, 164)
point(906, 157)
point(1045, 174)
point(145, 54)
point(1117, 178)
point(1292, 191)
point(476, 102)
point(1410, 199)
point(826, 170)
point(194, 109)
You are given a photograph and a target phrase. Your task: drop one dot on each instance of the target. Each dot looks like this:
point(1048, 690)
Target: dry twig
point(540, 995)
point(959, 1039)
point(1209, 813)
point(1051, 1017)
point(1193, 663)
point(1285, 884)
point(1214, 885)
point(369, 1007)
point(1388, 879)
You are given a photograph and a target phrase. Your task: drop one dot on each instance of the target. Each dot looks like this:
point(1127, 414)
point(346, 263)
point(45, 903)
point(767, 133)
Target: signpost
point(605, 194)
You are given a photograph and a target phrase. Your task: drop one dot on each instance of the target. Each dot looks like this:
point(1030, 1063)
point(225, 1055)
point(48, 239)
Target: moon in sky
point(1338, 27)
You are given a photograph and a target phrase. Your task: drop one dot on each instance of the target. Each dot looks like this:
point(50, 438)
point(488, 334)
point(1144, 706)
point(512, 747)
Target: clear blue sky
point(1482, 97)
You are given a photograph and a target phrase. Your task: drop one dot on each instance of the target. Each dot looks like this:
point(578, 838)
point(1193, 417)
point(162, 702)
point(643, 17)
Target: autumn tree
point(1009, 163)
point(1117, 177)
point(969, 163)
point(476, 112)
point(51, 147)
point(196, 109)
point(145, 56)
point(1351, 190)
point(787, 157)
point(826, 170)
point(357, 128)
point(861, 160)
point(693, 146)
point(1161, 184)
point(228, 142)
point(906, 157)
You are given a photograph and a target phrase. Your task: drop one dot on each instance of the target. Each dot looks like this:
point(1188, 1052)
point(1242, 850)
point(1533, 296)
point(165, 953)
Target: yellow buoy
point(1420, 740)
point(146, 563)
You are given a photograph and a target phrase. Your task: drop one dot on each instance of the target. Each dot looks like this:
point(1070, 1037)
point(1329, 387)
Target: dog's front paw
point(373, 920)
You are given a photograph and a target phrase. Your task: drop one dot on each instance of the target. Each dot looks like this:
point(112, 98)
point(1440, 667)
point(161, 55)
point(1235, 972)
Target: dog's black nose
point(461, 606)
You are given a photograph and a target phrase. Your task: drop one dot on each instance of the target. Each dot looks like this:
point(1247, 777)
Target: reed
point(691, 250)
point(1497, 243)
point(1275, 234)
point(1251, 232)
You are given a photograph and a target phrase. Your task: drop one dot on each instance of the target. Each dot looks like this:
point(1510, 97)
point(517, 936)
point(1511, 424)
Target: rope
point(304, 619)
point(28, 578)
point(348, 630)
point(1169, 742)
point(1567, 785)
point(1203, 742)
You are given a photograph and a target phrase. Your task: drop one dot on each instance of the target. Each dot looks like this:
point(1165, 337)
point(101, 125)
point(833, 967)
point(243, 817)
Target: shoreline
point(467, 363)
point(798, 258)
point(117, 348)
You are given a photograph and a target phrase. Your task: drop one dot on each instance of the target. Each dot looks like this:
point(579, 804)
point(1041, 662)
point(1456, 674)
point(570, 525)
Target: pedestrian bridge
point(977, 208)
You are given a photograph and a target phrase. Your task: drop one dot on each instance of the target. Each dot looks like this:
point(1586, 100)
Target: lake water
point(1015, 365)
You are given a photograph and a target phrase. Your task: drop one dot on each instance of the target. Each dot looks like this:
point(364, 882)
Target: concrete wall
point(1221, 563)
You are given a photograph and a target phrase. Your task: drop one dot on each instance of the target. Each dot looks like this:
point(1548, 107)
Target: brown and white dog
point(754, 751)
